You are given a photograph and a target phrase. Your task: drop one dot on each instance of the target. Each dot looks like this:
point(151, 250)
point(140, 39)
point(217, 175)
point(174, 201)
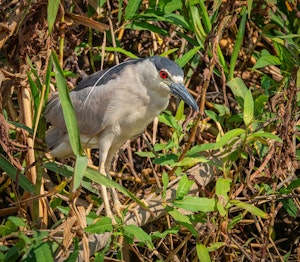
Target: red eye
point(163, 74)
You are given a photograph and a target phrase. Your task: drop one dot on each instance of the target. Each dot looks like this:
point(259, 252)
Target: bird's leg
point(117, 204)
point(104, 194)
point(107, 150)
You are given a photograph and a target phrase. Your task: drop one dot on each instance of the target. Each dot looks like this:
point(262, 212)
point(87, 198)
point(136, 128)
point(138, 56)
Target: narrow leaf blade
point(250, 208)
point(52, 9)
point(202, 253)
point(248, 108)
point(196, 204)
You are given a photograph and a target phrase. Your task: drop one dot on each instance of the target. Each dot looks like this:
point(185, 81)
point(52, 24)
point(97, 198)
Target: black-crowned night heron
point(115, 105)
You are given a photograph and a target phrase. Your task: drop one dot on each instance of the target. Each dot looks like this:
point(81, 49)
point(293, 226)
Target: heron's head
point(169, 77)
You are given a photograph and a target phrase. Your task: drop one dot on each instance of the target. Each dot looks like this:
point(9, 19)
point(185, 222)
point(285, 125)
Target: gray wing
point(103, 77)
point(89, 106)
point(91, 99)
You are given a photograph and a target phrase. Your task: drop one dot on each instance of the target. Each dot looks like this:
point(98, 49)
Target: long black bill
point(181, 92)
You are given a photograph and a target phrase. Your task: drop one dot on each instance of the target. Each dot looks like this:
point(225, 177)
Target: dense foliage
point(220, 185)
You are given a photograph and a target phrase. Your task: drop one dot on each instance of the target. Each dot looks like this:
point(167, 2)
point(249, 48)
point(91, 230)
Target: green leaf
point(165, 181)
point(12, 255)
point(191, 161)
point(61, 169)
point(180, 112)
point(52, 9)
point(67, 107)
point(215, 246)
point(168, 119)
point(73, 257)
point(145, 154)
point(34, 92)
point(159, 147)
point(146, 26)
point(42, 252)
point(182, 219)
point(223, 187)
point(202, 253)
point(248, 108)
point(15, 175)
point(211, 114)
point(239, 89)
point(205, 16)
point(196, 24)
point(222, 109)
point(22, 126)
point(195, 150)
point(235, 221)
point(63, 210)
point(94, 176)
point(8, 228)
point(184, 187)
point(177, 20)
point(290, 207)
point(169, 159)
point(249, 4)
point(266, 59)
point(132, 8)
point(264, 135)
point(162, 235)
point(172, 6)
point(79, 170)
point(103, 180)
point(238, 42)
point(19, 222)
point(138, 233)
point(227, 137)
point(294, 184)
point(101, 225)
point(182, 61)
point(120, 50)
point(250, 208)
point(196, 204)
point(34, 71)
point(169, 52)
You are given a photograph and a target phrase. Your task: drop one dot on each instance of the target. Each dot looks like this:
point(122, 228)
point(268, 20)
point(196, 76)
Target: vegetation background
point(222, 185)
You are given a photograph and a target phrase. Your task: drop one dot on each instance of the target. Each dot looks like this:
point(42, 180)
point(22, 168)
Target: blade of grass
point(67, 107)
point(12, 172)
point(131, 8)
point(238, 42)
point(52, 10)
point(71, 124)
